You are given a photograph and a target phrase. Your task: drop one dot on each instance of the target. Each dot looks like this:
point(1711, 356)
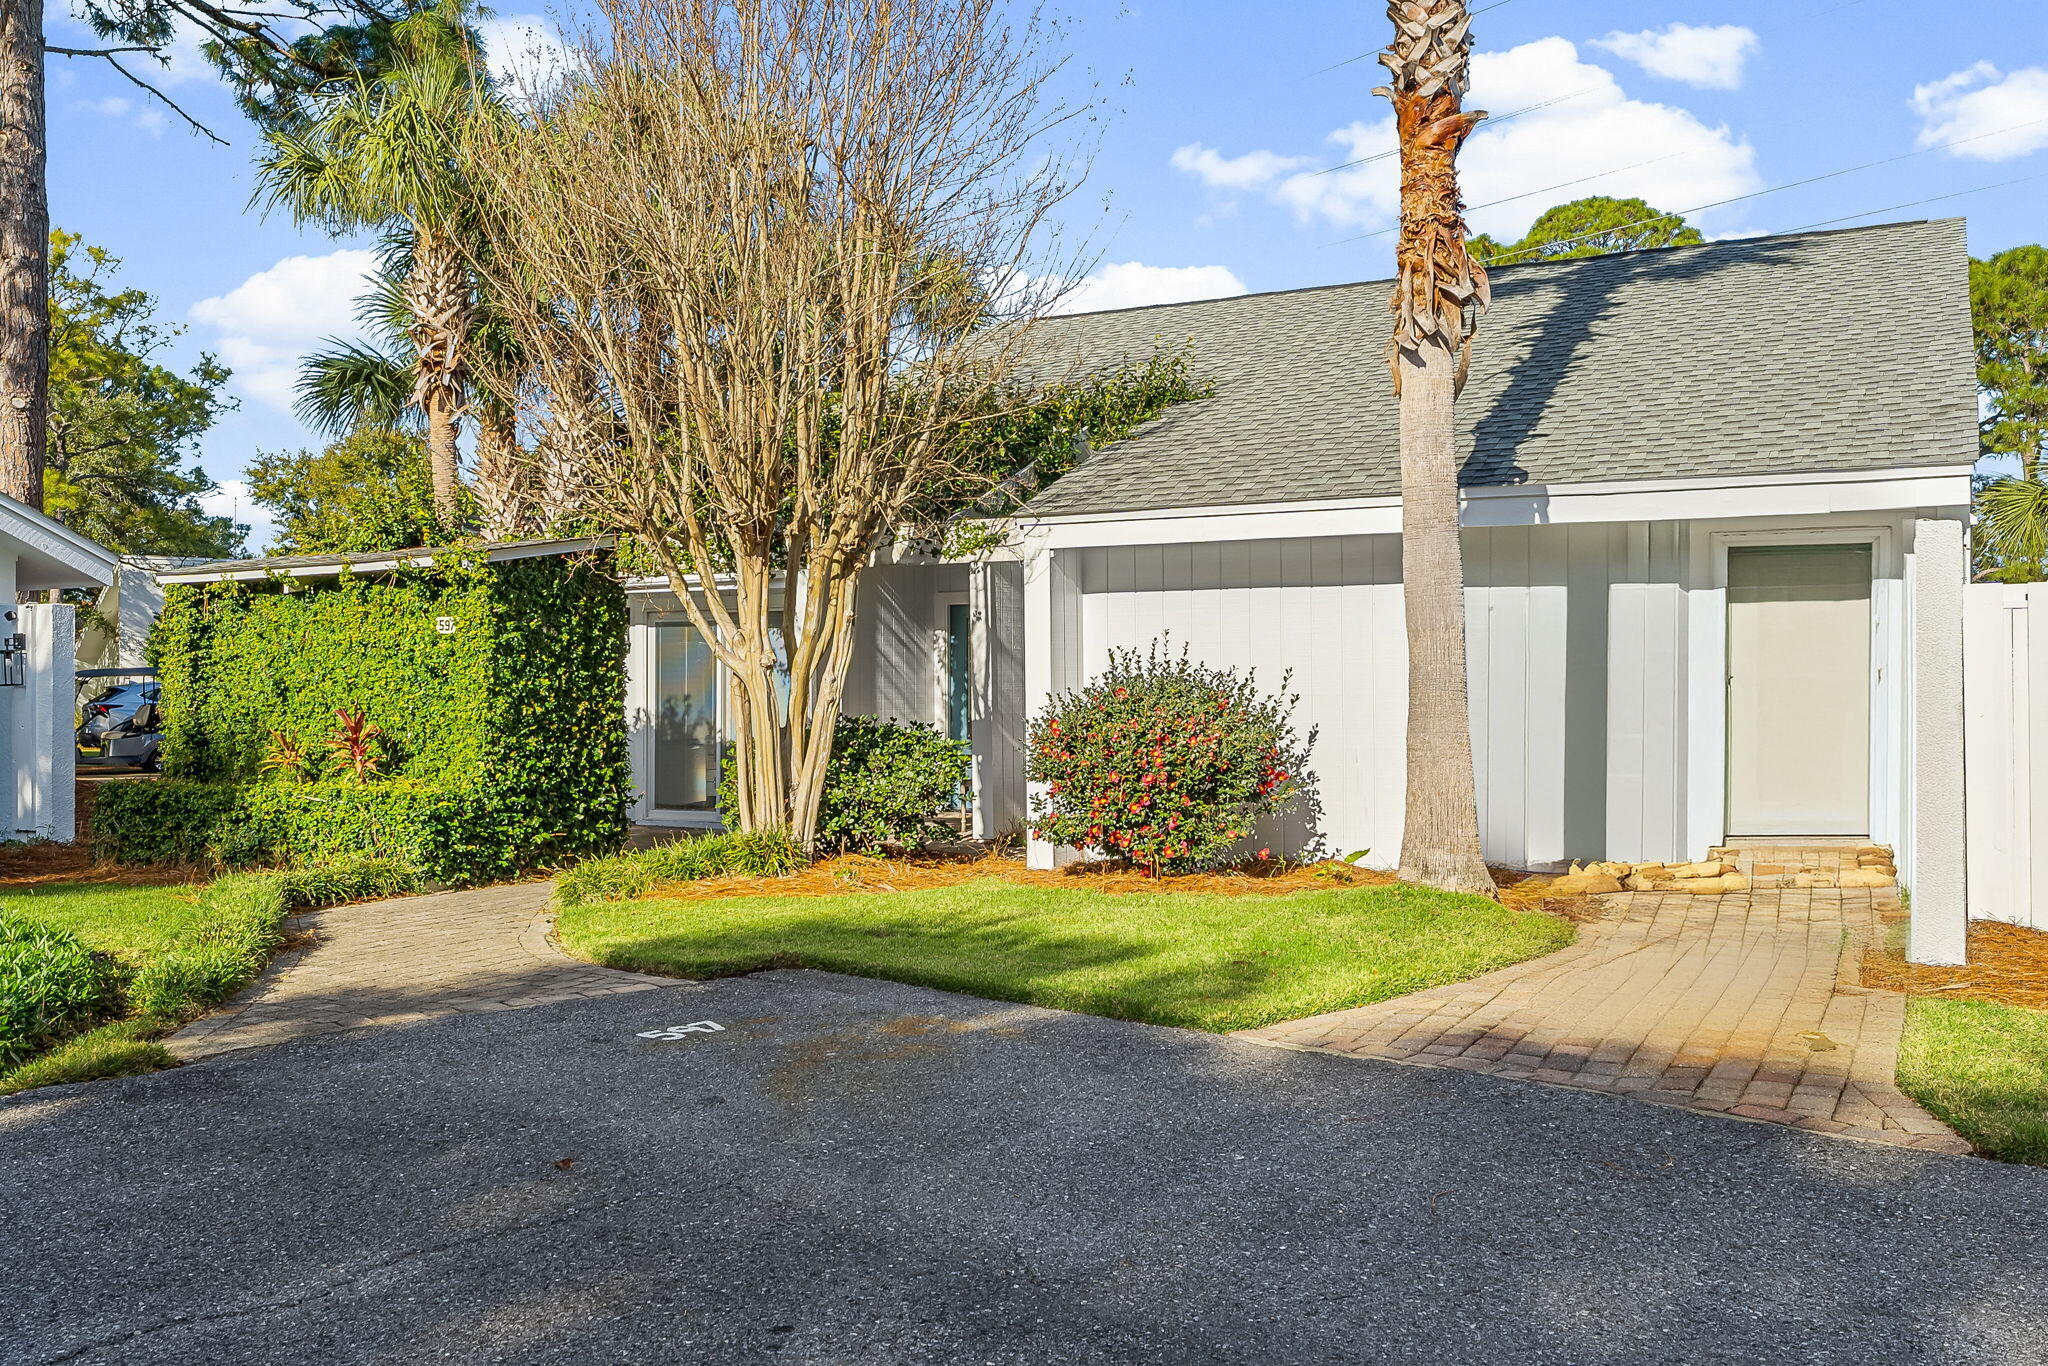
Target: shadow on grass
point(1200, 962)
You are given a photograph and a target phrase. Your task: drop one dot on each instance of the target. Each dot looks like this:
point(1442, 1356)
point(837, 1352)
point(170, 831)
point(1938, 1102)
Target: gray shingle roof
point(1814, 352)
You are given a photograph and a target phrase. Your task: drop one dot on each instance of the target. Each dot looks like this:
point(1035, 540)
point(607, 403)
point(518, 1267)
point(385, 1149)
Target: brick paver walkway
point(414, 958)
point(1742, 1003)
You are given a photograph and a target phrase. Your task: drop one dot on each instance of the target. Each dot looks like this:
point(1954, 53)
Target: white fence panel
point(2005, 751)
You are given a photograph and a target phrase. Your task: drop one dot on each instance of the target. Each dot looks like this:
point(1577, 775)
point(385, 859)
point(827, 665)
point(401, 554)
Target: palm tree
point(386, 152)
point(356, 384)
point(2012, 529)
point(1438, 295)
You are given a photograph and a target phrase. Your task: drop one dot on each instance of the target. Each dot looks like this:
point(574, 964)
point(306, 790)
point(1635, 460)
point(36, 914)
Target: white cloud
point(1710, 58)
point(1248, 172)
point(525, 52)
point(1132, 284)
point(123, 109)
point(273, 318)
point(2002, 116)
point(230, 498)
point(1598, 141)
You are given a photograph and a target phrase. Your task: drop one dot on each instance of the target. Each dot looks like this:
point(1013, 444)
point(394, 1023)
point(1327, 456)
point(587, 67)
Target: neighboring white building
point(38, 553)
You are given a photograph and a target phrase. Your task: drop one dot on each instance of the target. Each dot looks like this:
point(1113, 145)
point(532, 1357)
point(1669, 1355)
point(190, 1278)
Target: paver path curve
point(1743, 1003)
point(407, 959)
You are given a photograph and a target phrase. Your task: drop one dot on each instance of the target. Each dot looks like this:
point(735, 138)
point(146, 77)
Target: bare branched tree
point(766, 241)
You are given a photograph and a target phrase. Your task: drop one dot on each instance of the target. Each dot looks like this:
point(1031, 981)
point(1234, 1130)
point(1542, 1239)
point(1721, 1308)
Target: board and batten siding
point(2005, 750)
point(1557, 636)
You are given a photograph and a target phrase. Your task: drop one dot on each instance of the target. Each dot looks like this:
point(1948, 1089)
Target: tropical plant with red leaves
point(354, 744)
point(1162, 762)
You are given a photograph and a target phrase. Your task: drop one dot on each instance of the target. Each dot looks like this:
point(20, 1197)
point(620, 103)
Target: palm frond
point(350, 385)
point(2016, 518)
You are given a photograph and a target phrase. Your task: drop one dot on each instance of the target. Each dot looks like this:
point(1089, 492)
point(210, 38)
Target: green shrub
point(884, 784)
point(243, 927)
point(1163, 762)
point(503, 734)
point(50, 985)
point(451, 835)
point(622, 877)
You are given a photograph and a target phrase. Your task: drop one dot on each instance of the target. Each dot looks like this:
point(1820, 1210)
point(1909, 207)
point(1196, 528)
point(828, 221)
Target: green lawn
point(1203, 962)
point(1981, 1067)
point(134, 924)
point(176, 951)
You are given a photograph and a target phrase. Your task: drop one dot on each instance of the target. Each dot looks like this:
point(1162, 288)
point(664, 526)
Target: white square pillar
point(1933, 865)
point(45, 759)
point(1052, 647)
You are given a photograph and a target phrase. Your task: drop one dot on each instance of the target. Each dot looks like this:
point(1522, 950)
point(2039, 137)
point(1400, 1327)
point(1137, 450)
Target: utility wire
point(1475, 14)
point(1526, 194)
point(1758, 194)
point(1916, 203)
point(1490, 123)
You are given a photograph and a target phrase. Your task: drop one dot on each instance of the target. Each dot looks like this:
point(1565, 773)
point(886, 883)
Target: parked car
point(114, 711)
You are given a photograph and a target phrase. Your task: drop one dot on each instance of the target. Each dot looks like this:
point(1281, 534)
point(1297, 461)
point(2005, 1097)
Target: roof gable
point(1817, 352)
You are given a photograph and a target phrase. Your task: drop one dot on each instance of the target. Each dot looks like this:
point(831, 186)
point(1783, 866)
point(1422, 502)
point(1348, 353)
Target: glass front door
point(686, 720)
point(959, 671)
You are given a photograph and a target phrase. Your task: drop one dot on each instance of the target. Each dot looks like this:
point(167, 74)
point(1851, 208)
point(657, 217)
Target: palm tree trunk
point(437, 291)
point(1440, 837)
point(1437, 300)
point(24, 255)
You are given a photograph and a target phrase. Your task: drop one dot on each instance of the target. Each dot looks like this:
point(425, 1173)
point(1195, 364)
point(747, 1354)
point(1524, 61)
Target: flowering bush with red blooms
point(1162, 762)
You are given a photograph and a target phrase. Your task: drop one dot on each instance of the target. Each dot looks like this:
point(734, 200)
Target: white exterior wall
point(1597, 655)
point(2005, 659)
point(895, 673)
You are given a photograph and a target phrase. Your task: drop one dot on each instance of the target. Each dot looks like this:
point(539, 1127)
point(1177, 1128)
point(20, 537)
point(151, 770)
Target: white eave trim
point(1630, 500)
point(373, 563)
point(44, 535)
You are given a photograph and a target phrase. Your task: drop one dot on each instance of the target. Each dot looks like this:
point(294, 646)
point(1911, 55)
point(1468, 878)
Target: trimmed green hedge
point(50, 985)
point(452, 835)
point(622, 877)
point(503, 738)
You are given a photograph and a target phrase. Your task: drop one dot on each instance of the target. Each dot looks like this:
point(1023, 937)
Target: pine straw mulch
point(917, 872)
point(37, 864)
point(2008, 963)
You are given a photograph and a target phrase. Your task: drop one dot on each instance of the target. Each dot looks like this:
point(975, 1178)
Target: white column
point(45, 761)
point(1933, 867)
point(1052, 626)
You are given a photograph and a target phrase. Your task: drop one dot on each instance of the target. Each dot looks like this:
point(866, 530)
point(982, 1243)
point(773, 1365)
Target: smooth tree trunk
point(1440, 837)
point(1437, 300)
point(438, 293)
point(24, 255)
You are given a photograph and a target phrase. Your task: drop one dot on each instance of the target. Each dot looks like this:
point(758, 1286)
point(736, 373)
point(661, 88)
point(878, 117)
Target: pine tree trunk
point(1440, 837)
point(24, 255)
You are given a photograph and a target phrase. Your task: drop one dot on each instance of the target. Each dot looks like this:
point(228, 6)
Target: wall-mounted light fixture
point(13, 660)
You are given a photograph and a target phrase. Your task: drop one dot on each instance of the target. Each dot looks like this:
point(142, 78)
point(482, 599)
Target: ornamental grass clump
point(1162, 762)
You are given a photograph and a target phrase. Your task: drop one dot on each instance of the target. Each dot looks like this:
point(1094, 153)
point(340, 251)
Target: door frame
point(1709, 692)
point(943, 602)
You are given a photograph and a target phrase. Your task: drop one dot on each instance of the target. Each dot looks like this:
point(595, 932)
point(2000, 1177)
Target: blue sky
point(1218, 116)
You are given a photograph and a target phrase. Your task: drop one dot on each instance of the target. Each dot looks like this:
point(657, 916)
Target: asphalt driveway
point(857, 1172)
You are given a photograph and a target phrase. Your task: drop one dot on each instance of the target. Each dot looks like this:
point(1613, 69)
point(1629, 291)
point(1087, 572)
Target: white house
point(38, 553)
point(1717, 501)
point(1717, 496)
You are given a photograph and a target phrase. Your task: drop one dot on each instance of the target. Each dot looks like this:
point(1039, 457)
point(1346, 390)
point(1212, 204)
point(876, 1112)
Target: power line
point(1773, 189)
point(1916, 203)
point(1526, 194)
point(1474, 14)
point(1490, 123)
